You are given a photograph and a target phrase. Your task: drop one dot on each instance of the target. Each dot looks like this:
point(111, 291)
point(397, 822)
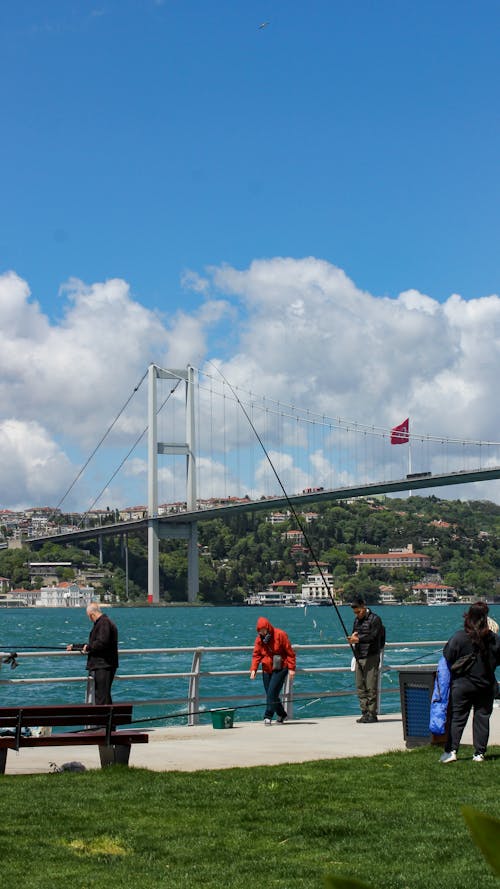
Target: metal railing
point(194, 703)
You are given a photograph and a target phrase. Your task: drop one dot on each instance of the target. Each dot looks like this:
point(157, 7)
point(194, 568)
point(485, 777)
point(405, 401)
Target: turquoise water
point(179, 627)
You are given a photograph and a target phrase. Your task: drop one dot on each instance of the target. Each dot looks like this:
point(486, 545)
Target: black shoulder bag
point(463, 665)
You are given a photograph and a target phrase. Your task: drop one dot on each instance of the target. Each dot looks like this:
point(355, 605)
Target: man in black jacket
point(368, 640)
point(102, 653)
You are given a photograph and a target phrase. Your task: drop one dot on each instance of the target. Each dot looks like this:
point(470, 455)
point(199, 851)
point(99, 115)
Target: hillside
point(248, 552)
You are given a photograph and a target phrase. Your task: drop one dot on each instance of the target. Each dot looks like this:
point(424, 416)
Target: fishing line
point(292, 510)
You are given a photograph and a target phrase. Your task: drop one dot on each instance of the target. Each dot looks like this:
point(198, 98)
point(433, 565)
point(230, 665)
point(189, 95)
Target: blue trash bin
point(415, 688)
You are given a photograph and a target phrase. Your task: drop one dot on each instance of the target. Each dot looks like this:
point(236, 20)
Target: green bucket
point(222, 718)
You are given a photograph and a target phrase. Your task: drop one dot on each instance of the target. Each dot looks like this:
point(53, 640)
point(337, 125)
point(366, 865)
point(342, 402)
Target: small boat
point(305, 603)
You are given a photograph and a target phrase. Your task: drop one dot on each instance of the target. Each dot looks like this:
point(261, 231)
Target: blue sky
point(165, 142)
point(141, 138)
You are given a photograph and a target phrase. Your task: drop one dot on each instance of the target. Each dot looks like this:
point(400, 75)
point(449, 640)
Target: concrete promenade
point(189, 749)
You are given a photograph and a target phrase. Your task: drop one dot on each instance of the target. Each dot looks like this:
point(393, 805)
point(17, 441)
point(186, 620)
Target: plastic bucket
point(222, 718)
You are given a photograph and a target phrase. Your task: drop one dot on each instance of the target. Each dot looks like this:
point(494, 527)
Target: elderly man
point(101, 651)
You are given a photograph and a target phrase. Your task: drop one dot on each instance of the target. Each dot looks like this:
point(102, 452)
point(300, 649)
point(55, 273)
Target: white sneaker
point(268, 722)
point(449, 757)
point(478, 757)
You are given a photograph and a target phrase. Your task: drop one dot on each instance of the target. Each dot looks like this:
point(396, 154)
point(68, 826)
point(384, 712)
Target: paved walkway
point(188, 749)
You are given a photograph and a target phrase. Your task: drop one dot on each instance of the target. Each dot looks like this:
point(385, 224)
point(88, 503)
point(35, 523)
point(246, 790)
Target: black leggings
point(464, 697)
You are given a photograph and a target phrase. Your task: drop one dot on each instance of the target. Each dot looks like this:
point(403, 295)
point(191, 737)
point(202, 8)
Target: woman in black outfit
point(474, 688)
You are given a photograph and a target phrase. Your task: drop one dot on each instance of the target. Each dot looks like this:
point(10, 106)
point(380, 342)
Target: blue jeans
point(273, 683)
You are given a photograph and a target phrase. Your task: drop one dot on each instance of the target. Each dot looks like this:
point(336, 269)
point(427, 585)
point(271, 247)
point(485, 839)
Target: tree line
point(246, 553)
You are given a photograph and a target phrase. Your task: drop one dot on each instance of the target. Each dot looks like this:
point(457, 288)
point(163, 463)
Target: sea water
point(189, 627)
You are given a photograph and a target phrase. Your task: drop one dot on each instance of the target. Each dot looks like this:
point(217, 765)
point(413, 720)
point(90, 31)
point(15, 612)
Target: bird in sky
point(262, 26)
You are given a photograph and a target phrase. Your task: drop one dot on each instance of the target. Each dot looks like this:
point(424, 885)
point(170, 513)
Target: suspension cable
point(100, 442)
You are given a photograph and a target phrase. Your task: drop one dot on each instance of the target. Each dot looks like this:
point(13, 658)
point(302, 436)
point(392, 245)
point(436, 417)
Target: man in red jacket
point(273, 650)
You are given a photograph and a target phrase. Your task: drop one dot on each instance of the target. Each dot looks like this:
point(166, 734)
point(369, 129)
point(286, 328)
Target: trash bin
point(416, 687)
point(222, 718)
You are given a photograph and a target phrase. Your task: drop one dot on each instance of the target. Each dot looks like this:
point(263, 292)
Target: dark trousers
point(273, 683)
point(464, 697)
point(102, 685)
point(367, 672)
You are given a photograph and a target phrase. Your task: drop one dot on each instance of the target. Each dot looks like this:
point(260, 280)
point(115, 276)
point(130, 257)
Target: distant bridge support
point(179, 530)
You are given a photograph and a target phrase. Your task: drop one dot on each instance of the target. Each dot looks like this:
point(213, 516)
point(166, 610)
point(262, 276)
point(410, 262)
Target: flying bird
point(262, 26)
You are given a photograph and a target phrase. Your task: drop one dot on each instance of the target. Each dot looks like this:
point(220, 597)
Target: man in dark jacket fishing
point(368, 640)
point(101, 651)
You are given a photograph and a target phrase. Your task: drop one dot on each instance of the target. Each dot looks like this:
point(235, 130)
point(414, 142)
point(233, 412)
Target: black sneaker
point(362, 718)
point(370, 718)
point(281, 719)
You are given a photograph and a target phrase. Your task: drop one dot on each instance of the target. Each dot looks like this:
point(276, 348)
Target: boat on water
point(270, 598)
point(436, 604)
point(306, 603)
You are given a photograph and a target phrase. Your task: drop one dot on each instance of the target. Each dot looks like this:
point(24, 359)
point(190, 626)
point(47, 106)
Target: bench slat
point(66, 714)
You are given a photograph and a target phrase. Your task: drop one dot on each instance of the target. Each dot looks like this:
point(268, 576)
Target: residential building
point(296, 537)
point(65, 595)
point(400, 558)
point(386, 595)
point(435, 593)
point(318, 587)
point(278, 518)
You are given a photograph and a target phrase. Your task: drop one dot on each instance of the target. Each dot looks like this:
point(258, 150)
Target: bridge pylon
point(179, 530)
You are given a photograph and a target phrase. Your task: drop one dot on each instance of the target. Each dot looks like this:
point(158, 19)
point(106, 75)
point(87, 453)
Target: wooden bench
point(97, 724)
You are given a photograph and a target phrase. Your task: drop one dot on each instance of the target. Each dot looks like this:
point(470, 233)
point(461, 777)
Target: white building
point(435, 593)
point(278, 518)
point(318, 588)
point(65, 595)
point(281, 592)
point(386, 596)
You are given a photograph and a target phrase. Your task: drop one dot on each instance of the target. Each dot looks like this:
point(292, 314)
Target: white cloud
point(33, 468)
point(71, 378)
point(297, 331)
point(292, 477)
point(193, 281)
point(373, 359)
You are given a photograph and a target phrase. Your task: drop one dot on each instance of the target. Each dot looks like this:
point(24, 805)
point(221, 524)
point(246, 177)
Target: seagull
point(262, 26)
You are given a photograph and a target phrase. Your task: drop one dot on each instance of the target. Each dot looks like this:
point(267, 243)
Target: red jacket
point(263, 652)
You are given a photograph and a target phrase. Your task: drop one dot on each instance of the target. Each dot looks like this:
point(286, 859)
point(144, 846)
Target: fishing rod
point(9, 656)
point(58, 647)
point(212, 710)
point(292, 510)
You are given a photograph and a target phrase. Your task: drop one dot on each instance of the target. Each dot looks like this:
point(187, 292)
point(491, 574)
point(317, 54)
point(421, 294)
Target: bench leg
point(3, 760)
point(117, 755)
point(122, 754)
point(107, 755)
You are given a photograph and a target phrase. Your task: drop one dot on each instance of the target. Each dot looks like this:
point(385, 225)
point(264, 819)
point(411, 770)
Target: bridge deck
point(189, 749)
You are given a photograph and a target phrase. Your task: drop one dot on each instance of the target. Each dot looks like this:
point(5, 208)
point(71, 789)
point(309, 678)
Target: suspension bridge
point(240, 451)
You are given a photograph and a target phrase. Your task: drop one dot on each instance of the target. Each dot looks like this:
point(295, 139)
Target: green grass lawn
point(392, 821)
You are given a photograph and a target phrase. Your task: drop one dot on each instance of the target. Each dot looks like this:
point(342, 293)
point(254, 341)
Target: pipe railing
point(194, 701)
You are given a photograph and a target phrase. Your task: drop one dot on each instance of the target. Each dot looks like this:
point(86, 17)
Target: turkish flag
point(401, 434)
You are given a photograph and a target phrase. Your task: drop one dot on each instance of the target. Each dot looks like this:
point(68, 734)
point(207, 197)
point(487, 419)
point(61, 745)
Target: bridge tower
point(181, 530)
